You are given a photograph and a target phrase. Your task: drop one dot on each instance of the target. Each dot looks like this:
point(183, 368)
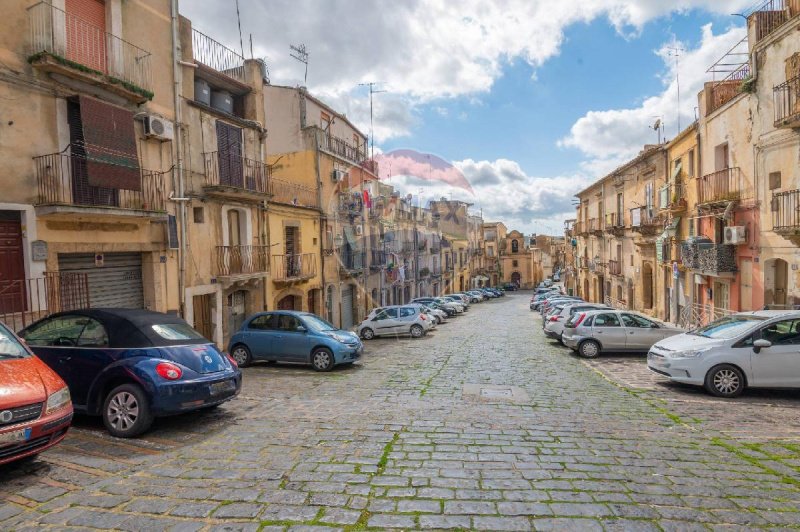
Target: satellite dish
point(657, 125)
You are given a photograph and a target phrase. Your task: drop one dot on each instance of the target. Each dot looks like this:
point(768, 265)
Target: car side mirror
point(760, 344)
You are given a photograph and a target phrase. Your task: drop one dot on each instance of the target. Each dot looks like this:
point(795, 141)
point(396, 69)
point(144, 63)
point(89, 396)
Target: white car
point(432, 314)
point(396, 321)
point(553, 324)
point(749, 349)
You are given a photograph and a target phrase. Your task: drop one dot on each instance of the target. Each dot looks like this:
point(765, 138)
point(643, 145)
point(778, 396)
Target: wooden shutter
point(86, 33)
point(229, 149)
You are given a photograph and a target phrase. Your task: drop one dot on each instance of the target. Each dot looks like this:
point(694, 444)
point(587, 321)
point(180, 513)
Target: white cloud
point(609, 137)
point(422, 50)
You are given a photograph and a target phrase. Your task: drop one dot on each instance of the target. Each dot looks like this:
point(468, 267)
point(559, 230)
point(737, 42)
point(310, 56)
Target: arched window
point(514, 246)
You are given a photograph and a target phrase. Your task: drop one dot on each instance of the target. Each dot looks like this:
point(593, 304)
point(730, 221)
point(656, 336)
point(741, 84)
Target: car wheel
point(322, 359)
point(367, 333)
point(241, 354)
point(126, 411)
point(725, 381)
point(417, 331)
point(589, 349)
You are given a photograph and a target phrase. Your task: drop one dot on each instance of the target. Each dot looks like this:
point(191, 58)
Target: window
point(606, 320)
point(325, 121)
point(514, 246)
point(515, 263)
point(386, 314)
point(199, 214)
point(263, 323)
point(176, 331)
point(632, 320)
point(58, 332)
point(93, 335)
point(407, 312)
point(9, 346)
point(774, 180)
point(785, 332)
point(691, 163)
point(287, 323)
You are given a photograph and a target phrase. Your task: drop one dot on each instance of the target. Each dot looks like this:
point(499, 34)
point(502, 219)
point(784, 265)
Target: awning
point(672, 228)
point(109, 141)
point(350, 237)
point(677, 171)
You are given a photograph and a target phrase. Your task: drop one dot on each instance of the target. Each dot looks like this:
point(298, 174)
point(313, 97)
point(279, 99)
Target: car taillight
point(579, 320)
point(553, 318)
point(169, 371)
point(422, 317)
point(231, 360)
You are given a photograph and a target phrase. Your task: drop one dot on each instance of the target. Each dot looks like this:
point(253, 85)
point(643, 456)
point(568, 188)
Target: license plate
point(219, 388)
point(15, 436)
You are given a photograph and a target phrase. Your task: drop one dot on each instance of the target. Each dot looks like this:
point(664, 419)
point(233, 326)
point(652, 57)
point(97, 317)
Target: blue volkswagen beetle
point(130, 366)
point(289, 336)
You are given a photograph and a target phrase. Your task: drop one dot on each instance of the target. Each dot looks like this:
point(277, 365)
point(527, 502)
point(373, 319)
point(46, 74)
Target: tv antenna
point(675, 51)
point(371, 85)
point(658, 126)
point(300, 53)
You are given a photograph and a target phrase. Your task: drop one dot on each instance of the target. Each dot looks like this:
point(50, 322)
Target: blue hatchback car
point(289, 336)
point(130, 366)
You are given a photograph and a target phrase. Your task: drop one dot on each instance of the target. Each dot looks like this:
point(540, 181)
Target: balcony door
point(291, 244)
point(229, 152)
point(84, 193)
point(86, 33)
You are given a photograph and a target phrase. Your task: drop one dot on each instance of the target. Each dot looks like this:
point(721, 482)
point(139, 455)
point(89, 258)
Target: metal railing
point(377, 258)
point(290, 267)
point(62, 179)
point(786, 210)
point(231, 170)
point(340, 147)
point(594, 225)
point(786, 97)
point(644, 218)
point(241, 260)
point(614, 267)
point(73, 40)
point(720, 186)
point(697, 315)
point(355, 260)
point(771, 15)
point(24, 301)
point(715, 258)
point(614, 221)
point(217, 56)
point(671, 197)
point(292, 194)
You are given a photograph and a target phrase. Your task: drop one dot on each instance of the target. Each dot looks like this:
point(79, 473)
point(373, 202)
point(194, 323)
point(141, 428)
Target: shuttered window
point(229, 152)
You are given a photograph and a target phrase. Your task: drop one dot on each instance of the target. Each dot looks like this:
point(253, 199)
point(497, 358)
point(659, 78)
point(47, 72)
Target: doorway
point(776, 276)
point(202, 315)
point(288, 303)
point(12, 263)
point(647, 285)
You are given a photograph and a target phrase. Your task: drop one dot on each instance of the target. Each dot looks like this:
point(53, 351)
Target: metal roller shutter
point(347, 308)
point(115, 284)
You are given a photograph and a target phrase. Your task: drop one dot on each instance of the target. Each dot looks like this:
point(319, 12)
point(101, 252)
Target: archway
point(647, 285)
point(516, 278)
point(289, 302)
point(776, 277)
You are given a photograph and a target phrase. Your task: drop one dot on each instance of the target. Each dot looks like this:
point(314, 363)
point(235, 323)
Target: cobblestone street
point(483, 424)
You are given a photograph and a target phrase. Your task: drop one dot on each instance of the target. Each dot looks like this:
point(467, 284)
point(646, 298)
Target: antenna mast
point(301, 54)
point(371, 85)
point(676, 51)
point(239, 22)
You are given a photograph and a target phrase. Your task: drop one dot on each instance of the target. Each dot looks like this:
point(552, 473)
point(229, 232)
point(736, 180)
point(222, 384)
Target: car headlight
point(58, 400)
point(341, 338)
point(689, 353)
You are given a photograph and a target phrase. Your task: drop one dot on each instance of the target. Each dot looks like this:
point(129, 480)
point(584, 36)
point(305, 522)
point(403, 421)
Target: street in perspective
point(273, 267)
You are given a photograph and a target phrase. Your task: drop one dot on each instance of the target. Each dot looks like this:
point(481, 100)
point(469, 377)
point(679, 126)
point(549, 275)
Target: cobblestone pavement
point(483, 424)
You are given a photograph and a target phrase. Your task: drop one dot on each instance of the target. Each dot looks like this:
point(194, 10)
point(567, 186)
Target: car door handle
point(632, 332)
point(64, 360)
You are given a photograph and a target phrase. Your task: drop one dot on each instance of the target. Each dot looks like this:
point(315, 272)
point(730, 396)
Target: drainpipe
point(178, 180)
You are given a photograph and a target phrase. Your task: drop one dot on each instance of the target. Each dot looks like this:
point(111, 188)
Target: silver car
point(553, 324)
point(750, 349)
point(396, 321)
point(619, 331)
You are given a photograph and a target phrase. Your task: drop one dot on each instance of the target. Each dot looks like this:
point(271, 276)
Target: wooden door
point(12, 264)
point(202, 315)
point(746, 285)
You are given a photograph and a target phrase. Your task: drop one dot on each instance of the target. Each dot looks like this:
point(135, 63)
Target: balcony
point(352, 263)
point(615, 267)
point(645, 222)
point(24, 301)
point(377, 259)
point(235, 177)
point(63, 187)
point(615, 223)
point(707, 258)
point(786, 212)
point(721, 187)
point(223, 67)
point(583, 263)
point(293, 268)
point(242, 261)
point(62, 43)
point(436, 271)
point(731, 75)
point(671, 198)
point(581, 228)
point(292, 194)
point(594, 226)
point(771, 15)
point(786, 97)
point(341, 148)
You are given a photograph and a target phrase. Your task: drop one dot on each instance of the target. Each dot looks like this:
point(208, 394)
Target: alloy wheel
point(726, 381)
point(123, 411)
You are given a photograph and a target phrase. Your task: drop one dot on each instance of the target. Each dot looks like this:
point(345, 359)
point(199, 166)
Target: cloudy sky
point(530, 99)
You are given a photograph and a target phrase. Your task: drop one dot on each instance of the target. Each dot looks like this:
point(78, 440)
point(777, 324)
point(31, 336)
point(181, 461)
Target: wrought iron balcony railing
point(293, 267)
point(786, 97)
point(377, 258)
point(234, 171)
point(62, 180)
point(771, 15)
point(293, 194)
point(341, 147)
point(76, 43)
point(614, 267)
point(709, 258)
point(242, 260)
point(721, 186)
point(786, 211)
point(217, 56)
point(671, 197)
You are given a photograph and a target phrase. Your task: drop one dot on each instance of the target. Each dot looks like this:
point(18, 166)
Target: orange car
point(35, 405)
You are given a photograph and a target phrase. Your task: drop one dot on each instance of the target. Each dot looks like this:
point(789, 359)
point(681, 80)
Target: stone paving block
point(340, 516)
point(500, 523)
point(565, 523)
point(238, 510)
point(523, 508)
point(391, 521)
point(283, 512)
point(444, 522)
point(420, 506)
point(470, 507)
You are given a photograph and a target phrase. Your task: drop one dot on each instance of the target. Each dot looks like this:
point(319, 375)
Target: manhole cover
point(496, 392)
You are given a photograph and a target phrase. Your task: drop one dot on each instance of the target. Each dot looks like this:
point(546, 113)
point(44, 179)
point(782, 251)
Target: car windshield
point(176, 331)
point(727, 327)
point(10, 347)
point(317, 324)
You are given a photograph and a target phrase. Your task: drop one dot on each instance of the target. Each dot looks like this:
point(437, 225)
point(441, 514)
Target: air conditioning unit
point(359, 230)
point(735, 235)
point(156, 127)
point(338, 175)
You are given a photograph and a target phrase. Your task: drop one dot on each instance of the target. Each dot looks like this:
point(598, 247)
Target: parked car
point(35, 405)
point(510, 287)
point(130, 366)
point(751, 349)
point(436, 316)
point(450, 307)
point(299, 337)
point(594, 332)
point(553, 326)
point(462, 300)
point(553, 301)
point(395, 321)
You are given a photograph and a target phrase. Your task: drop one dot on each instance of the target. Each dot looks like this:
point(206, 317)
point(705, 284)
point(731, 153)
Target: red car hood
point(24, 381)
